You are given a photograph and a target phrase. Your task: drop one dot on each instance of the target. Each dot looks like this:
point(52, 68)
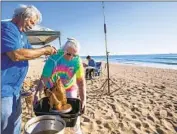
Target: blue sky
point(132, 27)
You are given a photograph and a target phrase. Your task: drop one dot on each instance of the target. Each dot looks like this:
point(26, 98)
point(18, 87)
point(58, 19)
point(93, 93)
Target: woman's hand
point(83, 105)
point(36, 97)
point(35, 100)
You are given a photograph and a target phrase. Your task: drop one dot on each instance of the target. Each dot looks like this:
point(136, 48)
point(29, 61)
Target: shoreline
point(137, 64)
point(158, 66)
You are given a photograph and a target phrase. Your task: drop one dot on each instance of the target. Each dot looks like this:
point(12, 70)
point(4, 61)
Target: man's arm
point(28, 54)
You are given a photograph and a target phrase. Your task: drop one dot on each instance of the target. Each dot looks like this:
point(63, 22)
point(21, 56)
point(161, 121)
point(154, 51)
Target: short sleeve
point(9, 39)
point(28, 44)
point(80, 71)
point(48, 68)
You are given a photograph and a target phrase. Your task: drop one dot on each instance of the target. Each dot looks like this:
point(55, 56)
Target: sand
point(142, 100)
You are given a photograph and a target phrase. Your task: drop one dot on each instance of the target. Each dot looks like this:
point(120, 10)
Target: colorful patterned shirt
point(70, 72)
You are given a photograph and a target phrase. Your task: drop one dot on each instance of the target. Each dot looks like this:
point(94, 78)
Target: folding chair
point(98, 68)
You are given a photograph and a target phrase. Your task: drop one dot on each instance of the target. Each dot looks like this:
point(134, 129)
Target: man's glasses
point(70, 54)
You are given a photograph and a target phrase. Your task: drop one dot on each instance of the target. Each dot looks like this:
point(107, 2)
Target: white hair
point(73, 43)
point(27, 11)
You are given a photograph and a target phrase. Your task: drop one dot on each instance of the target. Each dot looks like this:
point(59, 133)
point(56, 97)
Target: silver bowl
point(45, 124)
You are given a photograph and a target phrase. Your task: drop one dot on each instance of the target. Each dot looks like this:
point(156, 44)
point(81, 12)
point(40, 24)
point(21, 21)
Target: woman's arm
point(41, 85)
point(82, 91)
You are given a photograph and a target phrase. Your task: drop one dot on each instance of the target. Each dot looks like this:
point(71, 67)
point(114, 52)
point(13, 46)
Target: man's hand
point(49, 50)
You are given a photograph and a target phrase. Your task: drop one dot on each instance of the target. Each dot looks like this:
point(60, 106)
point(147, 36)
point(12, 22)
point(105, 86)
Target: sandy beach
point(142, 100)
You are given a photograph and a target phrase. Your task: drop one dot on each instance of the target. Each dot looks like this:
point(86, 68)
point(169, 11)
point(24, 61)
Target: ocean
point(168, 61)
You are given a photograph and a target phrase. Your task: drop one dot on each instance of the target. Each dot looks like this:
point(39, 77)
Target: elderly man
point(67, 66)
point(15, 53)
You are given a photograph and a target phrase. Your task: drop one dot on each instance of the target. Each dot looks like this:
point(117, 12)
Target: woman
point(66, 65)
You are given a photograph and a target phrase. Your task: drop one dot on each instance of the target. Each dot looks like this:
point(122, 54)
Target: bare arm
point(41, 85)
point(82, 90)
point(28, 54)
point(39, 89)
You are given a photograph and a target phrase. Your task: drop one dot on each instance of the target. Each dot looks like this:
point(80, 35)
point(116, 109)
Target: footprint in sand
point(147, 131)
point(98, 122)
point(86, 119)
point(137, 124)
point(160, 131)
point(150, 118)
point(151, 101)
point(145, 125)
point(106, 125)
point(115, 132)
point(168, 106)
point(100, 127)
point(169, 114)
point(133, 116)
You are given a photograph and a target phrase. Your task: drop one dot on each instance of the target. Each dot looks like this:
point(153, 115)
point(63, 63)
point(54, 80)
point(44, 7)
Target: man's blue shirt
point(12, 73)
point(92, 63)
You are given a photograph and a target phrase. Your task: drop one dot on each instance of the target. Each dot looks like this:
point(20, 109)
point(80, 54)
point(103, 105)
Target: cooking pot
point(45, 124)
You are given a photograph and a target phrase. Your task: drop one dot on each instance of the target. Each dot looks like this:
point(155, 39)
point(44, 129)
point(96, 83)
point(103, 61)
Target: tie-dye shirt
point(70, 72)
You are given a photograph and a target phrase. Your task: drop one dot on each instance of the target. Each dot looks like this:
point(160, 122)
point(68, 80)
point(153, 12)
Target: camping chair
point(98, 68)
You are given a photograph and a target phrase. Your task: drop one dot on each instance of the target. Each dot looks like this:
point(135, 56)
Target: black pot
point(42, 107)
